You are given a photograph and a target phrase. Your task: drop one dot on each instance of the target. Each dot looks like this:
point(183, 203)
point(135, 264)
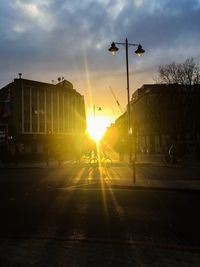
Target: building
point(162, 114)
point(40, 116)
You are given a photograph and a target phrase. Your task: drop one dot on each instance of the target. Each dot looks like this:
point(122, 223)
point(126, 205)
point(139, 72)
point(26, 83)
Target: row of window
point(55, 111)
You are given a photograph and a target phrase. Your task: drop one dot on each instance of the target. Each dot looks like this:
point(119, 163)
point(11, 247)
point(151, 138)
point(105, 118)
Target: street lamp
point(94, 111)
point(139, 51)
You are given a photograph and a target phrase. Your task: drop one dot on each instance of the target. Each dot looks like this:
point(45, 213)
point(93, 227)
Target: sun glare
point(97, 126)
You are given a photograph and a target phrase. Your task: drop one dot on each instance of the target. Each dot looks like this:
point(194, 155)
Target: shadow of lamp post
point(139, 51)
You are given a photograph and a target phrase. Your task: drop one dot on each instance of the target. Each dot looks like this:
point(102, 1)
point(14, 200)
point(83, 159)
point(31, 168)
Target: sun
point(96, 126)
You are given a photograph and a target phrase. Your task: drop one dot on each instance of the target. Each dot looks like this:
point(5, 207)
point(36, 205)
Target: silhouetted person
point(78, 156)
point(173, 154)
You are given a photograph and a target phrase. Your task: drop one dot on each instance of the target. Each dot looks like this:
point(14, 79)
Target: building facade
point(40, 115)
point(162, 114)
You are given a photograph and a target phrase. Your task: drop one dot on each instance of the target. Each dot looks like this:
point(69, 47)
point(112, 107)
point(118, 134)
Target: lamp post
point(94, 111)
point(95, 125)
point(139, 51)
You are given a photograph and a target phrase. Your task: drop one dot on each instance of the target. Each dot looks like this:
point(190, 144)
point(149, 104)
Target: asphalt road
point(74, 216)
point(80, 203)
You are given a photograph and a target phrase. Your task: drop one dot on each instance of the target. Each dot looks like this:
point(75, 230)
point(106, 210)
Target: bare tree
point(187, 73)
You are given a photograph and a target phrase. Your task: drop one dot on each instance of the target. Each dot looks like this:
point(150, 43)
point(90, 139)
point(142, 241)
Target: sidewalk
point(43, 164)
point(160, 159)
point(138, 182)
point(47, 252)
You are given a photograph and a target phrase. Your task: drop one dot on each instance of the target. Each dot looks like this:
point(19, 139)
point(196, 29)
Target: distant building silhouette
point(38, 115)
point(162, 114)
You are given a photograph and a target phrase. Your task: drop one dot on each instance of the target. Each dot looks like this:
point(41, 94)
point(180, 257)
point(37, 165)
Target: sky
point(47, 39)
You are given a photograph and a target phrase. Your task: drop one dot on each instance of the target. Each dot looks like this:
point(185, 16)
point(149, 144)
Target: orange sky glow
point(73, 43)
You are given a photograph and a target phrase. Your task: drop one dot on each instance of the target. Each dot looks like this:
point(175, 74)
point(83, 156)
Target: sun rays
point(96, 127)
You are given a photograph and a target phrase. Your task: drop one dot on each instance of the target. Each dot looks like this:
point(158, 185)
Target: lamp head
point(113, 49)
point(140, 51)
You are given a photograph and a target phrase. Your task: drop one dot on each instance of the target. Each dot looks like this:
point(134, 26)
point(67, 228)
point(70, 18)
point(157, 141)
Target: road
point(79, 203)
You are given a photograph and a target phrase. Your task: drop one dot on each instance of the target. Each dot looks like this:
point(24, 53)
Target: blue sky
point(47, 39)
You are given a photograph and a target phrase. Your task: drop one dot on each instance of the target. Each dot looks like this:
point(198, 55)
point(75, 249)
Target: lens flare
point(96, 127)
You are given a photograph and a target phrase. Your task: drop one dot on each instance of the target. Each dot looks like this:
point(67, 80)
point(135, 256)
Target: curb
point(156, 188)
point(97, 186)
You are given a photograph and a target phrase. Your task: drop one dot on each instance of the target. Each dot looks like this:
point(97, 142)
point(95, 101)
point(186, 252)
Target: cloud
point(46, 39)
point(34, 14)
